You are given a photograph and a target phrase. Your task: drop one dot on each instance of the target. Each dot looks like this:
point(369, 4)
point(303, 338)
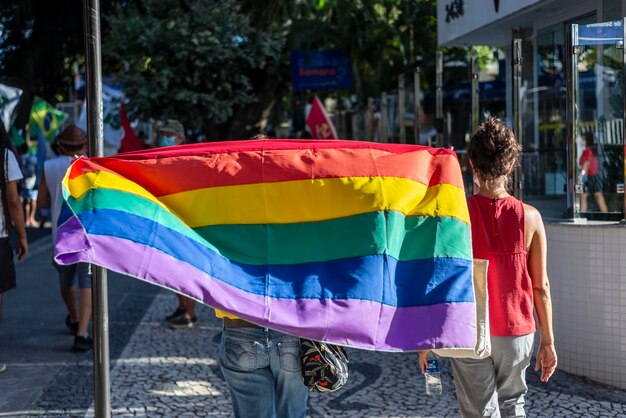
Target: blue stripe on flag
point(402, 283)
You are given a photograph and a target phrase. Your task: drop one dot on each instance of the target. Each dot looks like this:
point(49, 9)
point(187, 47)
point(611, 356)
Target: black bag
point(324, 366)
point(7, 268)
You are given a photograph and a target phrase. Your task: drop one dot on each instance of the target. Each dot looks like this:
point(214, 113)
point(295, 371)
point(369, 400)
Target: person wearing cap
point(71, 142)
point(170, 133)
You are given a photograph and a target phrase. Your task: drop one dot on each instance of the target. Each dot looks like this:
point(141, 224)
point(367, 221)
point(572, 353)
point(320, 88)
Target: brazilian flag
point(45, 119)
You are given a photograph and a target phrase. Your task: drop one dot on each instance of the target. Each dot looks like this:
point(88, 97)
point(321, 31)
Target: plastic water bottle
point(433, 376)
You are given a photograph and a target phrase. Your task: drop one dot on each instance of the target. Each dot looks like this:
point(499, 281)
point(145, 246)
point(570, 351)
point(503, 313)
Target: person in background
point(171, 133)
point(511, 236)
point(29, 186)
point(10, 212)
point(142, 137)
point(71, 142)
point(44, 153)
point(262, 368)
point(589, 170)
point(304, 134)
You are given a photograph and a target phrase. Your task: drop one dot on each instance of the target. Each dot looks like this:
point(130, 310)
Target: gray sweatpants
point(495, 386)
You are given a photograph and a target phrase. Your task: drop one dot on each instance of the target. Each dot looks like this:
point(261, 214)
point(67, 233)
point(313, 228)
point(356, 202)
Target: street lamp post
point(93, 71)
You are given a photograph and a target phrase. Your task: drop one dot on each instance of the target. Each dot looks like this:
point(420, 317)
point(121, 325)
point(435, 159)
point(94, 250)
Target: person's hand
point(423, 360)
point(21, 247)
point(546, 361)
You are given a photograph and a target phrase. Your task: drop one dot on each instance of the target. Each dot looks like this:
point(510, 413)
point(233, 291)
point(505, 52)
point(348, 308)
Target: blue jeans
point(263, 371)
point(68, 275)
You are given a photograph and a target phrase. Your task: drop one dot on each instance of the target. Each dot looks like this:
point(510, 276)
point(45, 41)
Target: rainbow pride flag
point(355, 243)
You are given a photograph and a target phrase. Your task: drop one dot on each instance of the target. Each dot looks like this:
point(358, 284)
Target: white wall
point(587, 269)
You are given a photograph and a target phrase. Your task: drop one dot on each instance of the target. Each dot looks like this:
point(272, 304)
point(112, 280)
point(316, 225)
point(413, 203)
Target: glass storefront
point(599, 125)
point(544, 140)
point(573, 153)
point(597, 189)
point(545, 134)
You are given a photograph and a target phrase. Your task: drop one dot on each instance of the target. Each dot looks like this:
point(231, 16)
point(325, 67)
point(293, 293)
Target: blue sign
point(605, 33)
point(320, 70)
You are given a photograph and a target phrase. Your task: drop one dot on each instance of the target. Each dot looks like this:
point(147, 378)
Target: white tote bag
point(483, 341)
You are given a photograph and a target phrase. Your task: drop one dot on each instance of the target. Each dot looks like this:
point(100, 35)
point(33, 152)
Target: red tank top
point(498, 236)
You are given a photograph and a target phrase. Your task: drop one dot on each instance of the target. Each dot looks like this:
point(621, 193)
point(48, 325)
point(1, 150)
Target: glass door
point(597, 122)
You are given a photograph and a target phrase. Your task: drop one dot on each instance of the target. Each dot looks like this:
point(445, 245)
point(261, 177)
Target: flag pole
point(93, 73)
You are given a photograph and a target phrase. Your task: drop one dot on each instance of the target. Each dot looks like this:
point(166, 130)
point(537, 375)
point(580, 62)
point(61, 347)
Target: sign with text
point(320, 70)
point(605, 33)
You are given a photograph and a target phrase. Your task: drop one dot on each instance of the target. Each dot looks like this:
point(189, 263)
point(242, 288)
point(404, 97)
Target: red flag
point(319, 123)
point(130, 142)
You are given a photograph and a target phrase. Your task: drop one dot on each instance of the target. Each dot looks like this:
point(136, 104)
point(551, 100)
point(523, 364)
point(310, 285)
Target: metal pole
point(475, 94)
point(401, 108)
point(518, 175)
point(102, 384)
point(384, 137)
point(439, 98)
point(369, 122)
point(574, 182)
point(623, 185)
point(417, 92)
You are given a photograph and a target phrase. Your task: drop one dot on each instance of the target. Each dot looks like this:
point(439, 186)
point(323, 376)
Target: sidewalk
point(42, 371)
point(157, 372)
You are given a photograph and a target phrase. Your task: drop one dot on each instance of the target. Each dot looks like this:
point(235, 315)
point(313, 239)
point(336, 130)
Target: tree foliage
point(220, 66)
point(382, 38)
point(190, 60)
point(39, 41)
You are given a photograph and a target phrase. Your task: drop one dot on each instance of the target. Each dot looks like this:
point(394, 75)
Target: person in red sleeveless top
point(589, 169)
point(511, 235)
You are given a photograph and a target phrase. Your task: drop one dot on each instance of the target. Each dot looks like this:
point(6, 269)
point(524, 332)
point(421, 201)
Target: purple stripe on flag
point(356, 323)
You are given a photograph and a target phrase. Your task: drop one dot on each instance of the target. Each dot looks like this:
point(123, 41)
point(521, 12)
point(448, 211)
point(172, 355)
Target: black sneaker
point(82, 344)
point(176, 315)
point(183, 322)
point(73, 326)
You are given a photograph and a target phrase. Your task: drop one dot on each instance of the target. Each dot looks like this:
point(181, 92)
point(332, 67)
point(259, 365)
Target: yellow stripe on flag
point(293, 201)
point(315, 200)
point(105, 180)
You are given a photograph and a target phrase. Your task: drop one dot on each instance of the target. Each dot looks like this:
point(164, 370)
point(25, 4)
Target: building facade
point(565, 95)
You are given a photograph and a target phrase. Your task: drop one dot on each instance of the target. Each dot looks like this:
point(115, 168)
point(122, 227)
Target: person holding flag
point(261, 367)
point(511, 236)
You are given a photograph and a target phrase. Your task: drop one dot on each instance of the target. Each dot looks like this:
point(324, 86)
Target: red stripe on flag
point(267, 165)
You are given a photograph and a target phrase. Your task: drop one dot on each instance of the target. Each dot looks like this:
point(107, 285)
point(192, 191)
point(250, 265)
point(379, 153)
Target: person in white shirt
point(10, 212)
point(72, 141)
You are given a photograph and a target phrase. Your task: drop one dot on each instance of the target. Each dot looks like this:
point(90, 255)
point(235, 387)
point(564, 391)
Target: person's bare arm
point(43, 195)
point(422, 360)
point(17, 216)
point(536, 244)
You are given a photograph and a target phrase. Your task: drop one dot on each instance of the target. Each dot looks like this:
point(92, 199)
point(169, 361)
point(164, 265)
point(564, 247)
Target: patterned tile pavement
point(165, 373)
